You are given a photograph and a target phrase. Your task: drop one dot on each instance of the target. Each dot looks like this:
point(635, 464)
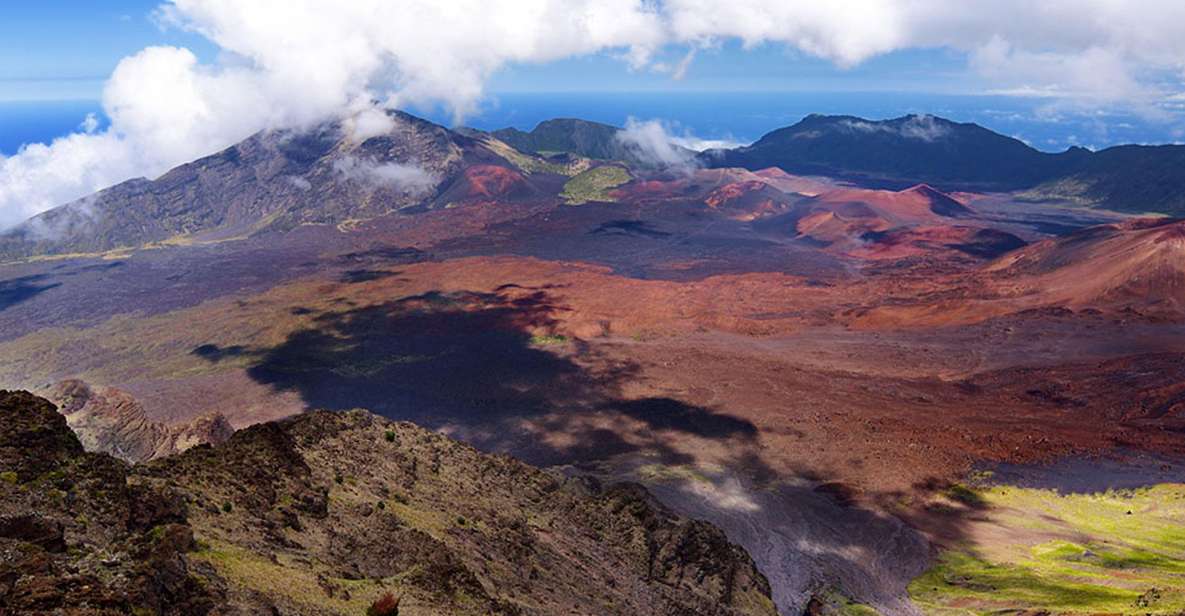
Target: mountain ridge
point(448, 529)
point(275, 181)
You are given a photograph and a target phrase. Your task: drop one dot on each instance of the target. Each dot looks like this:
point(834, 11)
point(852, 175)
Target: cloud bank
point(291, 63)
point(651, 143)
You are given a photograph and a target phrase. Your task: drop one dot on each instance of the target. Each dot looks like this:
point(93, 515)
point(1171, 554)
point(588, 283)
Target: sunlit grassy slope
point(594, 184)
point(1119, 552)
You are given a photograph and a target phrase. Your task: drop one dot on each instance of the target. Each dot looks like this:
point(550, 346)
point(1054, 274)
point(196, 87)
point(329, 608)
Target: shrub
point(390, 436)
point(227, 507)
point(386, 605)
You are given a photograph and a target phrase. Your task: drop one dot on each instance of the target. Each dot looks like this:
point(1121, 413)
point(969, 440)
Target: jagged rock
point(76, 536)
point(112, 421)
point(323, 513)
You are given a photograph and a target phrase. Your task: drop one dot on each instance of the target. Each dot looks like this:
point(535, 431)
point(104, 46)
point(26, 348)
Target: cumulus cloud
point(291, 63)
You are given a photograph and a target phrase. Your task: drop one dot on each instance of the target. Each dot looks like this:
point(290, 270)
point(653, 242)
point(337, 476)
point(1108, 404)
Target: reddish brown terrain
point(808, 364)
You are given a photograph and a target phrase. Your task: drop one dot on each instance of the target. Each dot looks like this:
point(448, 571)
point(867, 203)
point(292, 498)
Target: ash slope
point(344, 507)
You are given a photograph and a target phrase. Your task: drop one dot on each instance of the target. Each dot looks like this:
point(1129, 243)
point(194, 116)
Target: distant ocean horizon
point(731, 116)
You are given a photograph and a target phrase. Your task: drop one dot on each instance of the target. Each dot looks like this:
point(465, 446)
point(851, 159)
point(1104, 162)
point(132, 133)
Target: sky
point(92, 93)
point(64, 50)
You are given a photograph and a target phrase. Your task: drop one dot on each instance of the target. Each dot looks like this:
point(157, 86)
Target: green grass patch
point(594, 184)
point(1117, 552)
point(549, 339)
point(965, 495)
point(301, 588)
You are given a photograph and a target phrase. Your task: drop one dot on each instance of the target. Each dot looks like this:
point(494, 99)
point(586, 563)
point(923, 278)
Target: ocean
point(736, 116)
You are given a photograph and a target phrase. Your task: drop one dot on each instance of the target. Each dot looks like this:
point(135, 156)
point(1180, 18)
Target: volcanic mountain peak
point(271, 180)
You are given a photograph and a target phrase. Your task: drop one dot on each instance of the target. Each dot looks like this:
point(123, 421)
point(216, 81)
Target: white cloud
point(691, 142)
point(922, 127)
point(367, 123)
point(651, 143)
point(290, 63)
point(405, 178)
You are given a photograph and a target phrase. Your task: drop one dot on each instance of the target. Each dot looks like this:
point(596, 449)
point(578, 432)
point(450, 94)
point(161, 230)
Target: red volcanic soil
point(748, 200)
point(1138, 264)
point(648, 189)
point(704, 183)
point(488, 182)
point(802, 185)
point(920, 203)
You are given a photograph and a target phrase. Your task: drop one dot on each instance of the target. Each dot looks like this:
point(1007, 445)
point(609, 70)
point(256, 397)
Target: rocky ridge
point(325, 513)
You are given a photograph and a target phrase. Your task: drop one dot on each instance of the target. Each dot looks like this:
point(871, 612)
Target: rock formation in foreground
point(326, 513)
point(110, 420)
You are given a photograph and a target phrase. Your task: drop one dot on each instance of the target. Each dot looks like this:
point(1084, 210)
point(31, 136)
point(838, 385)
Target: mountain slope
point(272, 180)
point(1138, 264)
point(907, 150)
point(926, 149)
point(591, 139)
point(1129, 178)
point(324, 513)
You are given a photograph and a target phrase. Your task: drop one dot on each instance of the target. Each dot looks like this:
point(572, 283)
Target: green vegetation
point(9, 477)
point(1114, 552)
point(227, 507)
point(258, 573)
point(389, 435)
point(594, 184)
point(532, 164)
point(548, 339)
point(965, 495)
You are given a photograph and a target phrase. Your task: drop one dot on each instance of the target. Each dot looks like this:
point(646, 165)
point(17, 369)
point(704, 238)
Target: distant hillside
point(272, 180)
point(326, 513)
point(591, 139)
point(963, 156)
point(902, 151)
point(1131, 178)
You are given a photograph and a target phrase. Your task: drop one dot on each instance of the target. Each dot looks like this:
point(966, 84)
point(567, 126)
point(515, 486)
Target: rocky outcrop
point(326, 513)
point(78, 535)
point(112, 421)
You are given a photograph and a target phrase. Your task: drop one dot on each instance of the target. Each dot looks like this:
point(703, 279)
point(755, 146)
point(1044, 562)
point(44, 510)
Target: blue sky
point(66, 49)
